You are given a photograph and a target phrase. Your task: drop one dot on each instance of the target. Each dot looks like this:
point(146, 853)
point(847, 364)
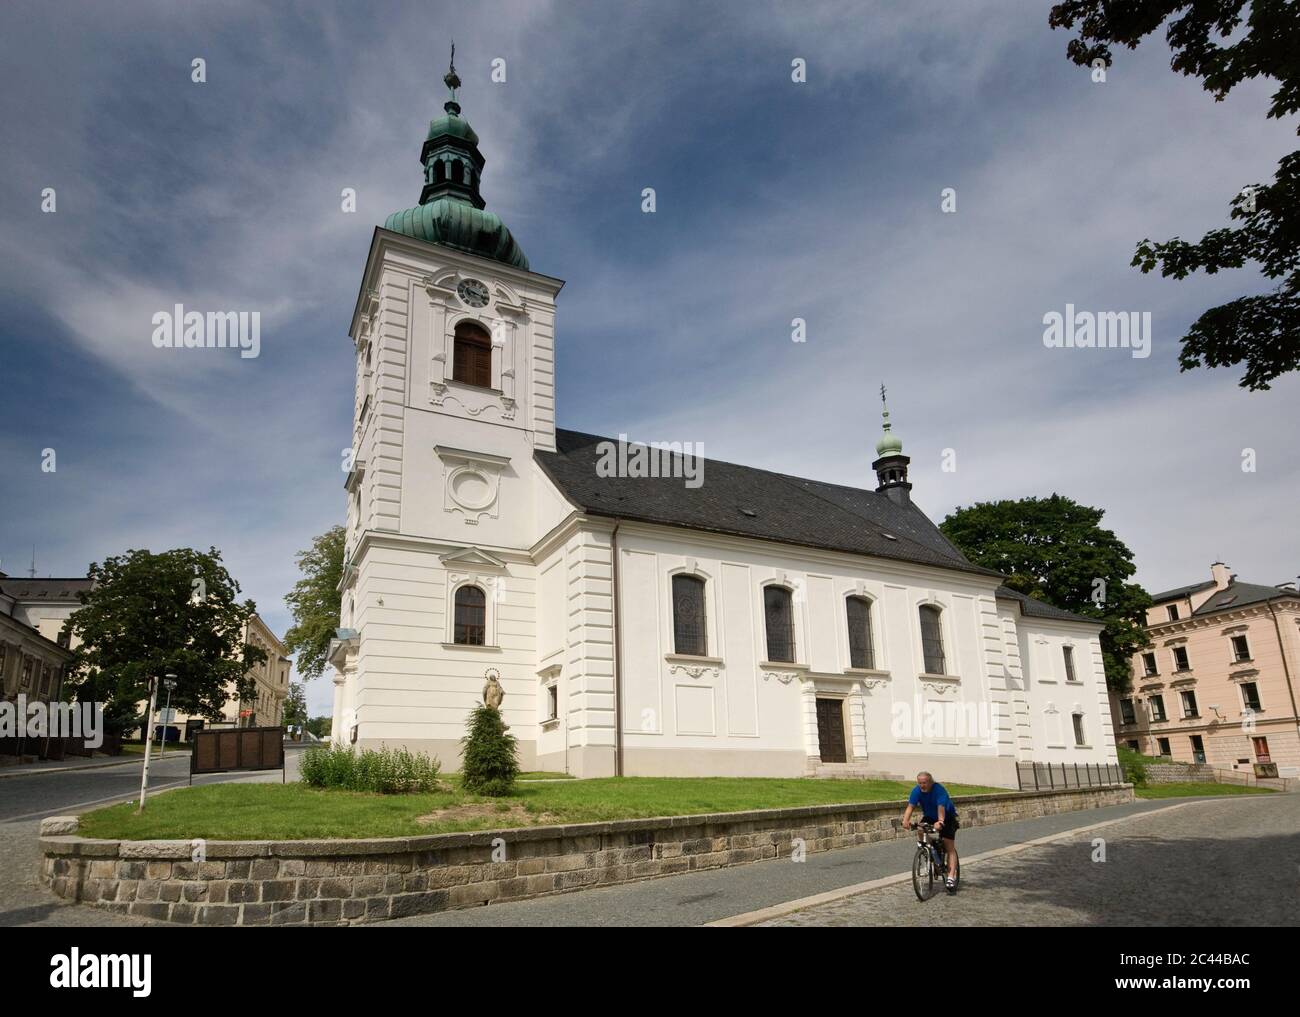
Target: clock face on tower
point(473, 293)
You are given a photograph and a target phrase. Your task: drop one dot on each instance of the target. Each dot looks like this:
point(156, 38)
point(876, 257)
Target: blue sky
point(775, 200)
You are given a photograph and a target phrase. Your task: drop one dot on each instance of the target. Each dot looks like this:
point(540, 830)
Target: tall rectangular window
point(932, 640)
point(1157, 707)
point(1189, 704)
point(1173, 612)
point(862, 651)
point(1078, 730)
point(778, 612)
point(689, 634)
point(1127, 714)
point(1250, 695)
point(1149, 664)
point(1068, 653)
point(1181, 663)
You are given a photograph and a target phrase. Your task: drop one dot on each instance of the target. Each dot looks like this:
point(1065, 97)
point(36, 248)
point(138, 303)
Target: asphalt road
point(25, 800)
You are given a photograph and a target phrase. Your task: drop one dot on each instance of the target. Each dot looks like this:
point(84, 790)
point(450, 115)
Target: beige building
point(34, 655)
point(265, 708)
point(1217, 683)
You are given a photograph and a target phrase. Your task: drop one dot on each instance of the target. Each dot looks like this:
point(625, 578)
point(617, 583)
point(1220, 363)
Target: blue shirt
point(929, 801)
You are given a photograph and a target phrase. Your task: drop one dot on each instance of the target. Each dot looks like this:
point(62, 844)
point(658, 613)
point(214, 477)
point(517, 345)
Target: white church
point(741, 623)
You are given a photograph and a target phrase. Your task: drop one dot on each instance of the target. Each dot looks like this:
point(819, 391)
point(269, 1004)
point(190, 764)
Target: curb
point(67, 769)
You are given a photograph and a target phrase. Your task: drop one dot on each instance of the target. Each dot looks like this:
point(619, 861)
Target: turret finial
point(452, 80)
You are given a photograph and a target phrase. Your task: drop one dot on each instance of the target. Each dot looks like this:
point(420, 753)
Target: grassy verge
point(290, 811)
point(1187, 790)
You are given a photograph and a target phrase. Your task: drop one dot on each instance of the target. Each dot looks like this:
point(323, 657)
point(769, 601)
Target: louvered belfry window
point(471, 616)
point(778, 610)
point(473, 355)
point(932, 640)
point(689, 634)
point(862, 653)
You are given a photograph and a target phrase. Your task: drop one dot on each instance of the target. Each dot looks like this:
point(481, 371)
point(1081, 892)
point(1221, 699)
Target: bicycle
point(931, 862)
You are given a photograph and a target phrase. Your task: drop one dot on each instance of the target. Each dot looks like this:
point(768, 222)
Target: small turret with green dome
point(451, 209)
point(891, 464)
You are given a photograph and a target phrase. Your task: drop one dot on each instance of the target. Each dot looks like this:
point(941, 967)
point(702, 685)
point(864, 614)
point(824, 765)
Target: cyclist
point(936, 808)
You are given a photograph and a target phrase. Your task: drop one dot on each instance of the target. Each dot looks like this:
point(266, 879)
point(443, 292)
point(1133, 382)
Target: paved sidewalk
point(76, 763)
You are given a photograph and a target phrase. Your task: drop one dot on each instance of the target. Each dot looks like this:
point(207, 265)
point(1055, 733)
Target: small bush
point(490, 765)
point(1135, 771)
point(384, 771)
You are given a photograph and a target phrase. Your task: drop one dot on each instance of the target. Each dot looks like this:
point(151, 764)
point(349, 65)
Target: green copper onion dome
point(889, 444)
point(451, 210)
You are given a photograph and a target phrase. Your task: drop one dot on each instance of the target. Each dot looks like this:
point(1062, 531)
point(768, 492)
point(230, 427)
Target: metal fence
point(1054, 776)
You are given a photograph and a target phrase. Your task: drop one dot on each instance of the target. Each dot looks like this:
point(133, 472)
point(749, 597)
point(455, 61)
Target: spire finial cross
point(884, 407)
point(451, 79)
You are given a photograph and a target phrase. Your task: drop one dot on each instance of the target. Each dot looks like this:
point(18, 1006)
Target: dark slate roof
point(1237, 594)
point(787, 509)
point(45, 589)
point(1032, 608)
point(1182, 591)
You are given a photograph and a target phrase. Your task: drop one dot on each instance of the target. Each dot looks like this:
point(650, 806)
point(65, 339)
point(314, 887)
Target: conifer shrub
point(490, 765)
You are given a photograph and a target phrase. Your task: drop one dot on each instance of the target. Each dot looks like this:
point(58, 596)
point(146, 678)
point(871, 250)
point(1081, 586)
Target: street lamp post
point(148, 742)
point(169, 682)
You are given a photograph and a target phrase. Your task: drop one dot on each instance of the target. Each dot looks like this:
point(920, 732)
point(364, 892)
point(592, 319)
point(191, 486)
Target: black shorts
point(950, 827)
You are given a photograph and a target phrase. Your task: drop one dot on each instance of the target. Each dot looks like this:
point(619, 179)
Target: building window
point(1132, 745)
point(1158, 708)
point(1181, 662)
point(1163, 743)
point(1198, 749)
point(1078, 730)
point(1173, 612)
point(1068, 653)
point(1250, 695)
point(1261, 750)
point(471, 616)
point(862, 651)
point(778, 610)
point(4, 659)
point(1189, 704)
point(932, 640)
point(690, 636)
point(1240, 649)
point(1127, 714)
point(1149, 664)
point(472, 355)
point(552, 702)
point(26, 681)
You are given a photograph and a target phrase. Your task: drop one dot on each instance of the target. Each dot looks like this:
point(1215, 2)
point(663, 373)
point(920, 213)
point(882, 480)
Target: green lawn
point(290, 811)
point(1189, 789)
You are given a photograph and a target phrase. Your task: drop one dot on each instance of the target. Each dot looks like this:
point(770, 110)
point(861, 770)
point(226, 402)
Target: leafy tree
point(316, 601)
point(295, 706)
point(1262, 332)
point(320, 726)
point(1055, 550)
point(489, 766)
point(149, 615)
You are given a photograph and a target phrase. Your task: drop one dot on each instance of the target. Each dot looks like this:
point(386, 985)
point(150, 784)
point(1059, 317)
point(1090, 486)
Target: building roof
point(744, 501)
point(1237, 594)
point(1182, 591)
point(1033, 608)
point(45, 589)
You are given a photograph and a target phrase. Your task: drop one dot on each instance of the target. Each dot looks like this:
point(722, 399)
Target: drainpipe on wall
point(1286, 671)
point(618, 666)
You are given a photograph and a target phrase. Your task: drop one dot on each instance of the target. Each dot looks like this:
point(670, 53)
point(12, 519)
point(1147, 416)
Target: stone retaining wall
point(341, 882)
point(1180, 773)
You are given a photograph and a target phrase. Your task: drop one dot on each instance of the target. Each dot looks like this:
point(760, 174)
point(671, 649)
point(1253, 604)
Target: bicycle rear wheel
point(922, 875)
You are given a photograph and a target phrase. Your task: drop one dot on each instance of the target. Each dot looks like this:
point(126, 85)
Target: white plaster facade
point(445, 491)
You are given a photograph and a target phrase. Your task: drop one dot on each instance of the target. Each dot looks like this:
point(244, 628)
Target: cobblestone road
point(1231, 862)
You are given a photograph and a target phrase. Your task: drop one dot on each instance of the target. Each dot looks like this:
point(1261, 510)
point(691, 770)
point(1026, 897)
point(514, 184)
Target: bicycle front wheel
point(922, 875)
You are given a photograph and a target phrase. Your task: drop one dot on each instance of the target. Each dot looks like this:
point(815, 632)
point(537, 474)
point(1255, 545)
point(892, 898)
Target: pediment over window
point(471, 557)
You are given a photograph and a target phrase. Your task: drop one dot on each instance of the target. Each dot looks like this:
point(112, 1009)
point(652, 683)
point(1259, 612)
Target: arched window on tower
point(458, 172)
point(472, 357)
point(439, 171)
point(471, 616)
